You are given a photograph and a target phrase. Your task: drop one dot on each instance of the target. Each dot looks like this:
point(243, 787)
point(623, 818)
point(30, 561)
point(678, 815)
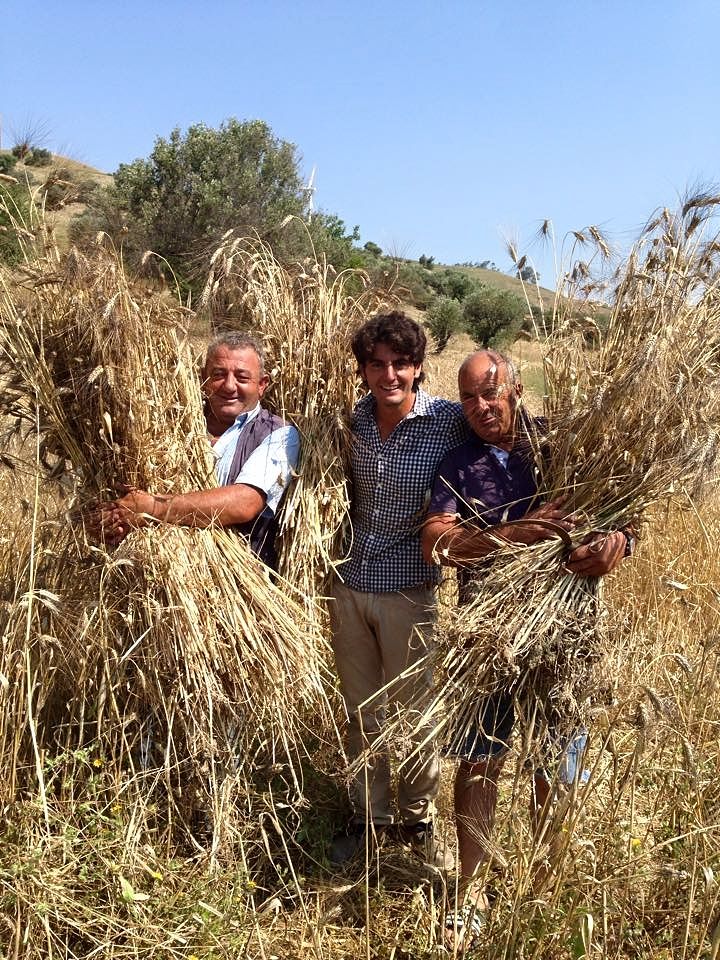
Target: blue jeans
point(489, 737)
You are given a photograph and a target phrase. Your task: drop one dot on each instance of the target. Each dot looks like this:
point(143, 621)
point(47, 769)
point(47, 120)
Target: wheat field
point(100, 855)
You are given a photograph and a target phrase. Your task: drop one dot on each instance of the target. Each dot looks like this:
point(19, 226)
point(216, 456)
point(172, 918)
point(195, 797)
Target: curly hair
point(397, 331)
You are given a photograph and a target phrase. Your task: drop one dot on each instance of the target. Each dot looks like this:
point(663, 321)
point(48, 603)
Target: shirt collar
point(421, 408)
point(242, 418)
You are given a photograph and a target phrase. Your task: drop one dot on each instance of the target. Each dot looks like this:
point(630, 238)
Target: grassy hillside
point(494, 278)
point(69, 181)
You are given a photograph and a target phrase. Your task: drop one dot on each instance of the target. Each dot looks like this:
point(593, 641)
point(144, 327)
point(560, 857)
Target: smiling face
point(489, 401)
point(390, 377)
point(234, 383)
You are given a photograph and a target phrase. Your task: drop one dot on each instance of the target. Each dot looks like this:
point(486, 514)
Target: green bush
point(443, 318)
point(38, 157)
point(493, 318)
point(7, 162)
point(14, 209)
point(451, 283)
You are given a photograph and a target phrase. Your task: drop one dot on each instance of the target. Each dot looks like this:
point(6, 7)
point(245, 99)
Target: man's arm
point(261, 483)
point(224, 506)
point(456, 544)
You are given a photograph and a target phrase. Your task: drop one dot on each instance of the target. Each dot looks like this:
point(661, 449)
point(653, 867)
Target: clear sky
point(437, 127)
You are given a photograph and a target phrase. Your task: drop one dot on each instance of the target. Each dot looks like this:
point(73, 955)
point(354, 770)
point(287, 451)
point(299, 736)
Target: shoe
point(421, 839)
point(463, 929)
point(351, 841)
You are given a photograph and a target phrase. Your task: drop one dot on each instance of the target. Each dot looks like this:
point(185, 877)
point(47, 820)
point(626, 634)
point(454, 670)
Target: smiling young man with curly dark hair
point(384, 604)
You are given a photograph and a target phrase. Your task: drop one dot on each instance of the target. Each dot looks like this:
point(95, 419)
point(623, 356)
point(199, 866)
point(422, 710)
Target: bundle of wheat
point(627, 425)
point(181, 626)
point(305, 318)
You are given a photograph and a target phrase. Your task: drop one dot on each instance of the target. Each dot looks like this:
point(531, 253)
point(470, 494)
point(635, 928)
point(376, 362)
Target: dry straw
point(629, 423)
point(305, 317)
point(179, 642)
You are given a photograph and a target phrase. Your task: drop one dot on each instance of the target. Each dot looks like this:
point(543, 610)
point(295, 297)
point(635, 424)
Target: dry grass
point(96, 717)
point(628, 424)
point(175, 658)
point(305, 318)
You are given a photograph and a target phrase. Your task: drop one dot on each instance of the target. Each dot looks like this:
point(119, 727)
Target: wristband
point(629, 544)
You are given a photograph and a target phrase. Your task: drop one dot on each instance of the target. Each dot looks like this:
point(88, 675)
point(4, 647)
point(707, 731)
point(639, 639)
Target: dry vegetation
point(121, 700)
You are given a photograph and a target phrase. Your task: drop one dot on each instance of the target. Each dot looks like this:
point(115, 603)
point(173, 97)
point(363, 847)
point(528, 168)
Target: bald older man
point(482, 489)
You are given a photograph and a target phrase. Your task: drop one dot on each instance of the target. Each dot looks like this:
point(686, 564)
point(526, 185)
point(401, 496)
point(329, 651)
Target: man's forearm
point(224, 506)
point(454, 544)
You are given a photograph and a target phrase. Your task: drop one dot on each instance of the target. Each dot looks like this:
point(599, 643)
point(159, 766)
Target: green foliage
point(493, 318)
point(529, 274)
point(427, 262)
point(328, 236)
point(194, 187)
point(373, 249)
point(38, 157)
point(443, 318)
point(452, 283)
point(7, 162)
point(14, 209)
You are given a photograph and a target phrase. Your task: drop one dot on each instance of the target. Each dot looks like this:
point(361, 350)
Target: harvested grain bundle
point(305, 318)
point(627, 425)
point(184, 625)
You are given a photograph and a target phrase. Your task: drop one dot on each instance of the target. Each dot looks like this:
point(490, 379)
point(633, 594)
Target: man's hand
point(554, 521)
point(110, 521)
point(598, 554)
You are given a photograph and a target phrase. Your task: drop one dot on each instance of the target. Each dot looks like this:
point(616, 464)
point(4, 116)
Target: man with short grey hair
point(486, 491)
point(256, 453)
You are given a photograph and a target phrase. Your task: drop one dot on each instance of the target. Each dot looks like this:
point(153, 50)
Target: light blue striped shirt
point(269, 467)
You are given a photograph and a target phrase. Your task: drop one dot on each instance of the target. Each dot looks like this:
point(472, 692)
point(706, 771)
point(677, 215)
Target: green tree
point(493, 318)
point(194, 187)
point(455, 284)
point(7, 162)
point(14, 213)
point(443, 318)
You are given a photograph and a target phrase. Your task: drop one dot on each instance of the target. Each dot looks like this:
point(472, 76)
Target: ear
point(263, 384)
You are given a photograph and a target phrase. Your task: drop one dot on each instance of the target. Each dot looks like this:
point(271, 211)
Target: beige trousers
point(376, 636)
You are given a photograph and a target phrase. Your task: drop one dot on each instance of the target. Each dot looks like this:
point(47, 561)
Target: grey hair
point(235, 340)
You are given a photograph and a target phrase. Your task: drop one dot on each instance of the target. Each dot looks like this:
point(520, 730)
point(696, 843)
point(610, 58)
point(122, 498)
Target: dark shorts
point(490, 735)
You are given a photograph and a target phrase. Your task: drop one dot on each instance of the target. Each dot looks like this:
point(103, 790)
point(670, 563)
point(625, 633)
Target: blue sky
point(438, 128)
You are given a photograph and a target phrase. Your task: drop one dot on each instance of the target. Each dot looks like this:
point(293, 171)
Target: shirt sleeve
point(445, 497)
point(269, 467)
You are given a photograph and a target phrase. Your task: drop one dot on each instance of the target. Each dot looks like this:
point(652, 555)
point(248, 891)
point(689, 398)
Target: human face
point(489, 401)
point(390, 377)
point(233, 384)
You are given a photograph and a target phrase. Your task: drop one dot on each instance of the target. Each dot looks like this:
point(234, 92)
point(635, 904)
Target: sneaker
point(351, 841)
point(463, 928)
point(421, 839)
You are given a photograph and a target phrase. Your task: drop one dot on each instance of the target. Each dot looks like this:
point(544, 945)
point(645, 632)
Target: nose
point(229, 384)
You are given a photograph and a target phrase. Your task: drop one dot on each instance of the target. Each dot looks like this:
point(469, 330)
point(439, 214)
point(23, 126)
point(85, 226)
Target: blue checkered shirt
point(392, 480)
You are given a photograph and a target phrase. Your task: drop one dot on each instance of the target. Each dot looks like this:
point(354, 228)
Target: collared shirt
point(479, 482)
point(392, 479)
point(268, 468)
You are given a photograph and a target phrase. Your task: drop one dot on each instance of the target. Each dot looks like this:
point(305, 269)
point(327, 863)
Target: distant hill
point(503, 281)
point(69, 180)
point(80, 178)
